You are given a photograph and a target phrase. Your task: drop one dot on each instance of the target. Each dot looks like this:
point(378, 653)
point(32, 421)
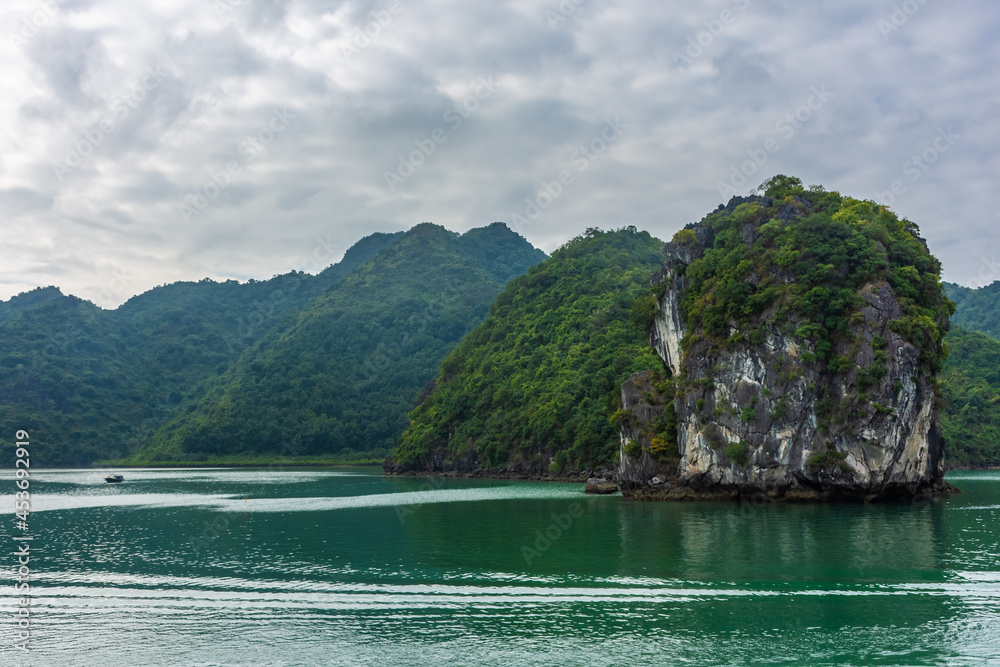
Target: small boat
point(114, 479)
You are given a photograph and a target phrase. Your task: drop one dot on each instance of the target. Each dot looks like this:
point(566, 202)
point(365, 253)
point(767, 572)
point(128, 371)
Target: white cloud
point(225, 68)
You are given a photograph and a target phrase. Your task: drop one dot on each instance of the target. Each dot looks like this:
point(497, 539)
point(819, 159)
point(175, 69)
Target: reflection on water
point(350, 567)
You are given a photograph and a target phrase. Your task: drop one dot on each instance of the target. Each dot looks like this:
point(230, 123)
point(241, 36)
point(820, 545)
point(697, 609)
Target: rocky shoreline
point(670, 490)
point(824, 494)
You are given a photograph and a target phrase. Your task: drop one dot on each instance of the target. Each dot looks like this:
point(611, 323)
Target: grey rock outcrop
point(762, 417)
point(635, 471)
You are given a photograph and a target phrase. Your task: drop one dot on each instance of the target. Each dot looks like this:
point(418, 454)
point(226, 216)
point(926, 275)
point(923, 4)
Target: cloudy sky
point(144, 143)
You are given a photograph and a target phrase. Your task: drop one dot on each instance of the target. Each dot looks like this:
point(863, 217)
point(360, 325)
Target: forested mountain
point(342, 374)
point(971, 381)
point(93, 384)
point(971, 377)
point(977, 309)
point(332, 363)
point(538, 380)
point(66, 377)
point(89, 383)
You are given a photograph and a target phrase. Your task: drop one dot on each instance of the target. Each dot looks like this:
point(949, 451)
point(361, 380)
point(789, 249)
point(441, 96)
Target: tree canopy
point(341, 375)
point(535, 384)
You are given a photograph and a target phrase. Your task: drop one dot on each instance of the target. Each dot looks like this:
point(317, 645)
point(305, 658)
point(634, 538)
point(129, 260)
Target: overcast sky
point(144, 143)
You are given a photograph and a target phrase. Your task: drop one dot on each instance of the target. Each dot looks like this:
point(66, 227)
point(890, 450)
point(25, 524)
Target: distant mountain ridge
point(971, 377)
point(90, 383)
point(971, 383)
point(94, 384)
point(976, 309)
point(343, 373)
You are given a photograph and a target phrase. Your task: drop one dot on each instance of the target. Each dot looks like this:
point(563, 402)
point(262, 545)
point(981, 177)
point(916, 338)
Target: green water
point(347, 567)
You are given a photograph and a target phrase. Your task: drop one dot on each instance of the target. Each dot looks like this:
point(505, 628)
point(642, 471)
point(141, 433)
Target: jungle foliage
point(803, 255)
point(341, 375)
point(91, 384)
point(971, 387)
point(977, 309)
point(535, 384)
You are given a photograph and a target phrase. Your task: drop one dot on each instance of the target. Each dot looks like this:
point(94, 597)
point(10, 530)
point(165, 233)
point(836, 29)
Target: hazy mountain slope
point(344, 373)
point(977, 309)
point(90, 383)
point(971, 381)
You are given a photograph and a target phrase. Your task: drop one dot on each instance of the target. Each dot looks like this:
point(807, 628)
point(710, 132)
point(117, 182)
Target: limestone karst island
point(788, 347)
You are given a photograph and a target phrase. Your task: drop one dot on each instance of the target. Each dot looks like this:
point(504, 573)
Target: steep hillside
point(66, 378)
point(531, 390)
point(971, 377)
point(343, 373)
point(977, 309)
point(971, 380)
point(94, 384)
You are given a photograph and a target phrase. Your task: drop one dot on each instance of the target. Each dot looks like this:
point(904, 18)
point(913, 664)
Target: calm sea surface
point(347, 567)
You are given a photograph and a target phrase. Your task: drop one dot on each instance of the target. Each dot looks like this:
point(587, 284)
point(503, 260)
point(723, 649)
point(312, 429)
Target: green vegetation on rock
point(737, 452)
point(803, 256)
point(539, 379)
point(829, 459)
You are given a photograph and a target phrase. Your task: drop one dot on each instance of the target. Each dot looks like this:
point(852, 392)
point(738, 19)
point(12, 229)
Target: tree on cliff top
point(807, 254)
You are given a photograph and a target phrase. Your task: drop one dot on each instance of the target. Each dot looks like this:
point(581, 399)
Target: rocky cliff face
point(644, 407)
point(759, 415)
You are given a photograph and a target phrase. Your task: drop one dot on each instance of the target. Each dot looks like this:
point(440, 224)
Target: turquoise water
point(347, 567)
